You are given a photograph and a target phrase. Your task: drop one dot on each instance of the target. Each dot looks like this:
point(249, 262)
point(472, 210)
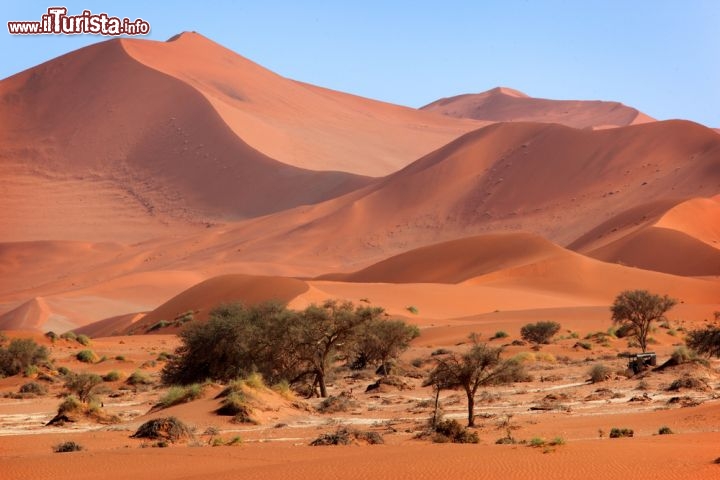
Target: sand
point(127, 212)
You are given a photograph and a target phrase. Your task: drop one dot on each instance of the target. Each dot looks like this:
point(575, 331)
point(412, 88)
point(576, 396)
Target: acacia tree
point(539, 332)
point(705, 341)
point(323, 331)
point(83, 384)
point(379, 341)
point(480, 366)
point(640, 308)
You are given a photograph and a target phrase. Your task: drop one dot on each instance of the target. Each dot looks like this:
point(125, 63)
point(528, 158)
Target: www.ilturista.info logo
point(57, 21)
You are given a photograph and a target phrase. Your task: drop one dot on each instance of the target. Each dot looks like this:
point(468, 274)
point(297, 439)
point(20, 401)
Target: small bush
point(621, 432)
point(235, 405)
point(557, 441)
point(412, 309)
point(164, 357)
point(537, 442)
point(539, 332)
point(506, 441)
point(345, 436)
point(157, 326)
point(440, 351)
point(283, 389)
point(599, 373)
point(169, 428)
point(120, 358)
point(665, 431)
point(33, 388)
point(254, 380)
point(86, 356)
point(584, 345)
point(177, 395)
point(112, 376)
point(689, 382)
point(138, 378)
point(334, 404)
point(450, 430)
point(69, 336)
point(69, 405)
point(20, 355)
point(64, 371)
point(83, 340)
point(625, 330)
point(499, 334)
point(236, 440)
point(67, 447)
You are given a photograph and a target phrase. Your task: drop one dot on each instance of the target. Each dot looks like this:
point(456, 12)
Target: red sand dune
point(203, 297)
point(504, 177)
point(456, 260)
point(170, 157)
point(507, 105)
point(296, 123)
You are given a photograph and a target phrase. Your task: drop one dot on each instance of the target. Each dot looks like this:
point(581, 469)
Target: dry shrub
point(345, 436)
point(169, 428)
point(340, 403)
point(689, 382)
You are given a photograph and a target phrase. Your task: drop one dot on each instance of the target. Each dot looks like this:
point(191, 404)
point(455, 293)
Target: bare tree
point(480, 366)
point(640, 308)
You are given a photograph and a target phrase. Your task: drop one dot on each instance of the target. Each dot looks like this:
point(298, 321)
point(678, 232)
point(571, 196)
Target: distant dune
point(507, 105)
point(203, 297)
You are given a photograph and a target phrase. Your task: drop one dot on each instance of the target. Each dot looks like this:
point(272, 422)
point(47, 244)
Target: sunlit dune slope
point(507, 105)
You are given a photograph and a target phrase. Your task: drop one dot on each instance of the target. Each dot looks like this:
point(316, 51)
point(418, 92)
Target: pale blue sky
point(662, 57)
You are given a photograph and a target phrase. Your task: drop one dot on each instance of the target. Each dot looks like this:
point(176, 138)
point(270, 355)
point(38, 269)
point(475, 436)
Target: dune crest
point(503, 104)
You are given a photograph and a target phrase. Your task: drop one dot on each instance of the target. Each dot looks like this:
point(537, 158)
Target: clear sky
point(662, 57)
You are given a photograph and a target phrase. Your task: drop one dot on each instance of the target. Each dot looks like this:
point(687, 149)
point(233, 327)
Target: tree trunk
point(471, 408)
point(321, 381)
point(437, 405)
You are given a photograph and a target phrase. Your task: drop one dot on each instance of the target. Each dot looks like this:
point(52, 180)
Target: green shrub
point(177, 395)
point(621, 432)
point(557, 441)
point(83, 340)
point(236, 440)
point(112, 376)
point(539, 332)
point(158, 326)
point(499, 334)
point(87, 356)
point(120, 358)
point(665, 431)
point(69, 404)
point(19, 355)
point(69, 336)
point(283, 389)
point(412, 309)
point(537, 442)
point(64, 371)
point(82, 384)
point(67, 447)
point(599, 373)
point(33, 388)
point(138, 378)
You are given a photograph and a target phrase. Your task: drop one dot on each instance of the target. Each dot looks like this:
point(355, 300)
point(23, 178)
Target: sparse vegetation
point(412, 309)
point(540, 332)
point(83, 340)
point(499, 334)
point(450, 431)
point(640, 309)
point(180, 394)
point(280, 344)
point(621, 432)
point(19, 355)
point(169, 429)
point(480, 365)
point(334, 404)
point(346, 436)
point(82, 385)
point(87, 356)
point(665, 431)
point(112, 376)
point(705, 341)
point(138, 378)
point(599, 373)
point(378, 341)
point(33, 388)
point(66, 447)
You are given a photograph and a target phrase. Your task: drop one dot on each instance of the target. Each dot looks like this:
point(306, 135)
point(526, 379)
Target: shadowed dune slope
point(456, 260)
point(507, 105)
point(99, 116)
point(297, 123)
point(203, 297)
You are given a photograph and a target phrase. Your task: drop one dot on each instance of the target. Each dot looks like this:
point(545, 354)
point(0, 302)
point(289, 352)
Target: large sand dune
point(507, 105)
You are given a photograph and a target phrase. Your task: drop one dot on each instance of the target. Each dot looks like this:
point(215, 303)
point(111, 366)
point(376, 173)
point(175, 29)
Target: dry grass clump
point(621, 432)
point(345, 436)
point(65, 447)
point(170, 429)
point(687, 381)
point(599, 373)
point(451, 431)
point(177, 395)
point(339, 403)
